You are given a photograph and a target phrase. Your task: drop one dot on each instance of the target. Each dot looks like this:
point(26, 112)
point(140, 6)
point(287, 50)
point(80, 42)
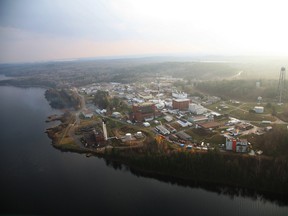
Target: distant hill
point(198, 68)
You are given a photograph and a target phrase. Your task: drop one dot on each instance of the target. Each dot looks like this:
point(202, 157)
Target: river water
point(37, 178)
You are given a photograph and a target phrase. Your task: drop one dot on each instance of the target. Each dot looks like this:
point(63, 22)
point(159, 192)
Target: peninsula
point(221, 141)
point(200, 121)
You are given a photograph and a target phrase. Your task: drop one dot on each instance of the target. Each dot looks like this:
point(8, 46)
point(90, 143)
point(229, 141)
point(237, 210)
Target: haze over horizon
point(32, 30)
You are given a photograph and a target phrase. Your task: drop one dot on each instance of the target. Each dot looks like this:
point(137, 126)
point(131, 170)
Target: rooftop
point(183, 135)
point(143, 104)
point(181, 100)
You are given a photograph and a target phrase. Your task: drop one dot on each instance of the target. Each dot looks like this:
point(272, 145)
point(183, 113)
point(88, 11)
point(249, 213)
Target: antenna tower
point(281, 84)
point(158, 85)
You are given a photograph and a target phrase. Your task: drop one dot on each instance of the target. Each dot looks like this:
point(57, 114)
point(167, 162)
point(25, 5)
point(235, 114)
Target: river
point(37, 178)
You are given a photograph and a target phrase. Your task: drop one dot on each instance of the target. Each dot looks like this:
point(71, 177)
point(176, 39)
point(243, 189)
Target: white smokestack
point(104, 129)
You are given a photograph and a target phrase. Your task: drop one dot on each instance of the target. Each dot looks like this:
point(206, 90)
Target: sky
point(40, 30)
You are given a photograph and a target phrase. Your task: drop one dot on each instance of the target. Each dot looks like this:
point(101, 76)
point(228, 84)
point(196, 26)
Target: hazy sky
point(33, 30)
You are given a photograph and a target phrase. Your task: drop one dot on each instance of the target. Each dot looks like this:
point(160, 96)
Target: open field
point(242, 110)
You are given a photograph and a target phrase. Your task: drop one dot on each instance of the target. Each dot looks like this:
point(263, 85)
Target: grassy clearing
point(214, 106)
point(241, 110)
point(67, 141)
point(251, 116)
point(280, 108)
point(88, 122)
point(199, 135)
point(216, 139)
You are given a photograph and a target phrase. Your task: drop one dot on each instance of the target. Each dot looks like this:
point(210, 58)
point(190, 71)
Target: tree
point(274, 112)
point(101, 99)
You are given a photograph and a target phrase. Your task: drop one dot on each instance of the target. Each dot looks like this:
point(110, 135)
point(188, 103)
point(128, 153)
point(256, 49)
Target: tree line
point(258, 173)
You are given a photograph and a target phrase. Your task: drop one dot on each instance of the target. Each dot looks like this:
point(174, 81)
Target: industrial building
point(162, 130)
point(259, 109)
point(197, 109)
point(143, 112)
point(180, 104)
point(196, 119)
point(171, 129)
point(236, 145)
point(184, 123)
point(183, 136)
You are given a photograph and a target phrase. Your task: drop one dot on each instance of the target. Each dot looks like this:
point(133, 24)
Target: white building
point(179, 95)
point(168, 118)
point(146, 124)
point(200, 118)
point(163, 130)
point(184, 123)
point(197, 109)
point(116, 115)
point(259, 109)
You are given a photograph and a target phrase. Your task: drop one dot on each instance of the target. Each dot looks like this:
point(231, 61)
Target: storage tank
point(139, 134)
point(128, 136)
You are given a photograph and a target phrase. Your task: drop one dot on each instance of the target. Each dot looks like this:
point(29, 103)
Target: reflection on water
point(221, 189)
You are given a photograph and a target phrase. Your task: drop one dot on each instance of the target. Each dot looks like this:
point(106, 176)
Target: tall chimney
point(104, 129)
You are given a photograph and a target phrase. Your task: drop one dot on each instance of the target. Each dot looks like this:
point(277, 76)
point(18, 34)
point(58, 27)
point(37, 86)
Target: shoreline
point(121, 160)
point(170, 177)
point(228, 188)
point(140, 161)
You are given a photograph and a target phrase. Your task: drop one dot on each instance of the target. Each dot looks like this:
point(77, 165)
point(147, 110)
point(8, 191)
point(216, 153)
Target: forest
point(245, 90)
point(62, 98)
point(257, 173)
point(274, 143)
